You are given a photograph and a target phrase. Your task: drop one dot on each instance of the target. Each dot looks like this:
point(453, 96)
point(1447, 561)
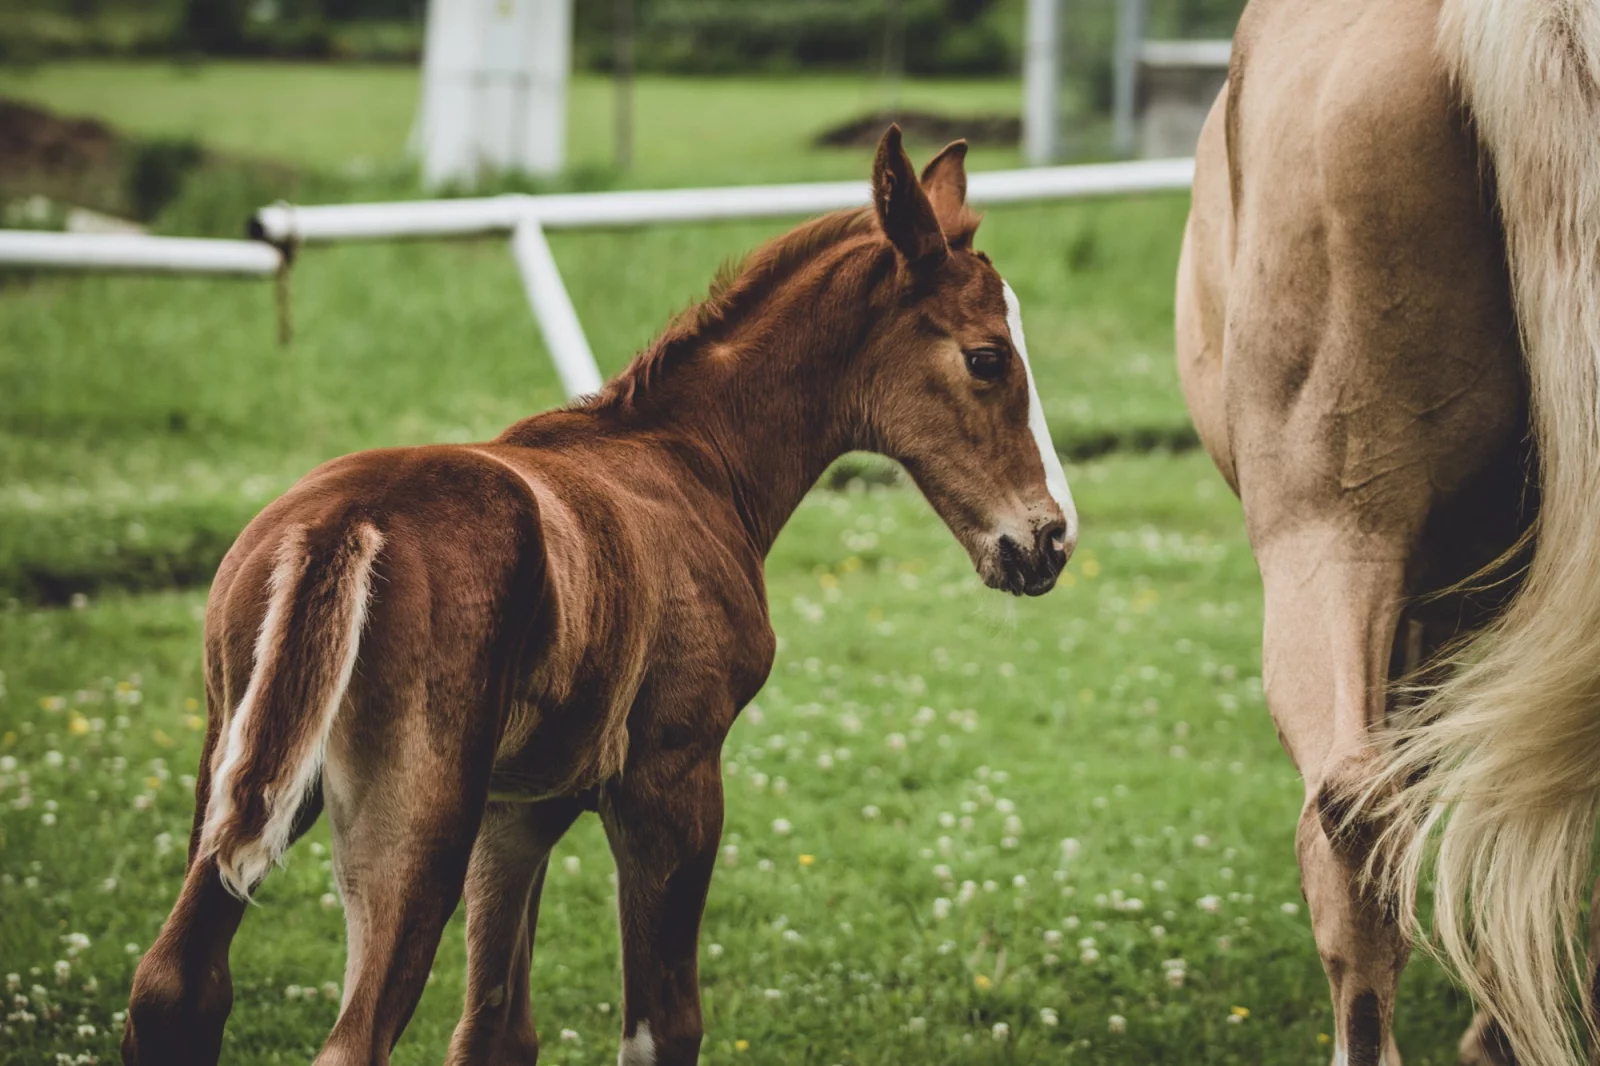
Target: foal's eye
point(987, 364)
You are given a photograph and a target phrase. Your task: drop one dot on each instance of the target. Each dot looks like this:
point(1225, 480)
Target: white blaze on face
point(1055, 478)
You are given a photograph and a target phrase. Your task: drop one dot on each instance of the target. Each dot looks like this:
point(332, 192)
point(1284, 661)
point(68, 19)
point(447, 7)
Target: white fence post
point(1041, 82)
point(558, 319)
point(1125, 88)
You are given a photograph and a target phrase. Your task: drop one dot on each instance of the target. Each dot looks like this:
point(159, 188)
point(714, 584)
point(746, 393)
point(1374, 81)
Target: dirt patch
point(930, 126)
point(87, 163)
point(77, 160)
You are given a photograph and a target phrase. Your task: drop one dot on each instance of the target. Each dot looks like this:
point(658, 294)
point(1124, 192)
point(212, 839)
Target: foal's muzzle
point(1033, 570)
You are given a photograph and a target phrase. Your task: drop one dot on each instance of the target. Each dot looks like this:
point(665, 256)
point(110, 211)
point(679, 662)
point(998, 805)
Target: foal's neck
point(775, 394)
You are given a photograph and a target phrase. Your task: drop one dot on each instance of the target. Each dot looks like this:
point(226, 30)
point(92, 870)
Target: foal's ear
point(904, 210)
point(944, 179)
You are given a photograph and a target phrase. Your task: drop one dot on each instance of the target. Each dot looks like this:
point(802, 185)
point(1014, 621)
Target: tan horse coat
point(1350, 355)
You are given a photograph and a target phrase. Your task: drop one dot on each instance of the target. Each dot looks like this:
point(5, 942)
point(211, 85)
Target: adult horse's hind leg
point(1332, 605)
point(504, 881)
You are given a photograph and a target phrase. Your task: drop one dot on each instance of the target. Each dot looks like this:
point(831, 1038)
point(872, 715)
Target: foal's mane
point(738, 286)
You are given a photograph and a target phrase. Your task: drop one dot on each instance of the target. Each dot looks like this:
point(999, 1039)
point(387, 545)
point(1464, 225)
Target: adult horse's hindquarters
point(1350, 354)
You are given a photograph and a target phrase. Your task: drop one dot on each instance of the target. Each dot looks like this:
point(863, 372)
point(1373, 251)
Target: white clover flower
point(1019, 881)
point(1089, 956)
point(330, 991)
point(86, 1031)
point(569, 1036)
point(917, 1025)
point(1209, 904)
point(1001, 1032)
point(572, 864)
point(1070, 849)
point(870, 811)
point(1049, 1017)
point(942, 872)
point(947, 820)
point(329, 901)
point(54, 759)
point(1290, 908)
point(941, 908)
point(773, 993)
point(1202, 841)
point(291, 992)
point(715, 951)
point(1004, 806)
point(781, 827)
point(48, 818)
point(75, 942)
point(1117, 1024)
point(897, 742)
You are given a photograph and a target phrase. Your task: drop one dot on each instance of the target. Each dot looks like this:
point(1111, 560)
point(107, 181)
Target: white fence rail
point(525, 218)
point(135, 252)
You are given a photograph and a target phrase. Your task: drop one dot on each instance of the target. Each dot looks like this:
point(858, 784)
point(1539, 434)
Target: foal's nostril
point(1051, 544)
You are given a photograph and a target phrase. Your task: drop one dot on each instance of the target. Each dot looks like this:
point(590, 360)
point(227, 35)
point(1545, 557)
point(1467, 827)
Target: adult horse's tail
point(1505, 760)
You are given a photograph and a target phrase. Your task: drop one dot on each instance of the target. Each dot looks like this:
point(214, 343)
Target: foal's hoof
point(170, 1024)
point(1484, 1044)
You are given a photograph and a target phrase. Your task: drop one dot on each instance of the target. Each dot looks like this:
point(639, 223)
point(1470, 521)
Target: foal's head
point(950, 392)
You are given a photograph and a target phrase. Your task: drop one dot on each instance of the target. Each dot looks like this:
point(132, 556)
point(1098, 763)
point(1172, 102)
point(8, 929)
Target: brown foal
point(456, 650)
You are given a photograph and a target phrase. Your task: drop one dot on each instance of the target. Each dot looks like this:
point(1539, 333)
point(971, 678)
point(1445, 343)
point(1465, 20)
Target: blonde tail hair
point(277, 737)
point(1501, 768)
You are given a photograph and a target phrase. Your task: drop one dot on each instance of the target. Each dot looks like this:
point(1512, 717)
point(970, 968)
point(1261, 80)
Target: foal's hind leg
point(182, 989)
point(1332, 603)
point(504, 880)
point(404, 801)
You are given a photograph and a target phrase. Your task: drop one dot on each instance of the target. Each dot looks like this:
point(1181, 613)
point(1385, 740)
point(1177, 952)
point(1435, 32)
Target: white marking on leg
point(1055, 478)
point(638, 1049)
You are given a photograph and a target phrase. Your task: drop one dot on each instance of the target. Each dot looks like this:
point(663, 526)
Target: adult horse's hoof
point(1484, 1044)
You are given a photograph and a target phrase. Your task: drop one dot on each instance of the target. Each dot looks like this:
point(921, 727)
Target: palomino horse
point(458, 649)
point(1389, 277)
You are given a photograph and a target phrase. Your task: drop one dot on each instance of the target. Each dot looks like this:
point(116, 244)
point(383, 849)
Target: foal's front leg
point(663, 818)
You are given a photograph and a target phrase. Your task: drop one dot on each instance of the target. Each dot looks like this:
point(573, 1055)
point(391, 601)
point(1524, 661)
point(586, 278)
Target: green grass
point(689, 131)
point(147, 418)
point(1124, 712)
point(143, 421)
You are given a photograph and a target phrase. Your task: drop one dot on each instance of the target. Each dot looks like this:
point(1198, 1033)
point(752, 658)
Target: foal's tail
point(1504, 759)
point(277, 736)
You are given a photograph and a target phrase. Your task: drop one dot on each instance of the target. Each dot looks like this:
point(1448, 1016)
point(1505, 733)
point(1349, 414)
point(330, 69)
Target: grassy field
point(1090, 782)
